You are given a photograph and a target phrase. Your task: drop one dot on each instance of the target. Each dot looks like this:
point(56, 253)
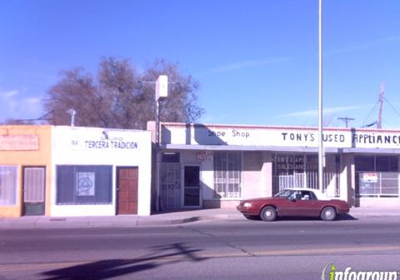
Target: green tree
point(120, 96)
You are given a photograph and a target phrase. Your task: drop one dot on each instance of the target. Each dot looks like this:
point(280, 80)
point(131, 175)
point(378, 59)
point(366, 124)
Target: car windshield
point(284, 193)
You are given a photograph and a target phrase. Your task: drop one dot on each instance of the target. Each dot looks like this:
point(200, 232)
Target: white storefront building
point(205, 166)
point(100, 172)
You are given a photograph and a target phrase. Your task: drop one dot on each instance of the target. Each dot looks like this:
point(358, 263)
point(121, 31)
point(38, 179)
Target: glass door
point(191, 193)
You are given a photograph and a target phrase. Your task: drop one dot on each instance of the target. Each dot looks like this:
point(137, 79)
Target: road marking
point(295, 252)
point(309, 251)
point(204, 256)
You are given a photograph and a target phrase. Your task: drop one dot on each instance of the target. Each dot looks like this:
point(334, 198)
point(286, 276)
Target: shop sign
point(102, 144)
point(89, 142)
point(371, 177)
point(203, 156)
point(19, 142)
point(85, 183)
point(279, 136)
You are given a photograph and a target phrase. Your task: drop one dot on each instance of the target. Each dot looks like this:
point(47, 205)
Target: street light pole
point(158, 159)
point(161, 91)
point(321, 157)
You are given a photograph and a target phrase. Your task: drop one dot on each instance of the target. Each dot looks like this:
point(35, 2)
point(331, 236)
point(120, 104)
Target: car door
point(307, 204)
point(286, 207)
point(291, 206)
point(299, 204)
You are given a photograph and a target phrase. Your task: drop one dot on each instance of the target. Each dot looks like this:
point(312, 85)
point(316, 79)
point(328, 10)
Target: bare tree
point(121, 97)
point(18, 122)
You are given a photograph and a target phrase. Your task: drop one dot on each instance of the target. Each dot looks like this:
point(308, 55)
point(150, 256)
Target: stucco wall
point(26, 154)
point(252, 167)
point(96, 146)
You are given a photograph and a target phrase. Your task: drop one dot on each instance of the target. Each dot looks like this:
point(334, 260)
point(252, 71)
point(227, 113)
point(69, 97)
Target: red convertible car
point(294, 203)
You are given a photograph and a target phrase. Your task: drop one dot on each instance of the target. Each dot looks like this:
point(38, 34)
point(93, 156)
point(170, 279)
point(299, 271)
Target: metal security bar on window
point(227, 174)
point(300, 171)
point(378, 184)
point(8, 185)
point(170, 186)
point(34, 184)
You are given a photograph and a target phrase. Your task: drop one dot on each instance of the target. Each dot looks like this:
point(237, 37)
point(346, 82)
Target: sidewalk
point(172, 218)
point(169, 218)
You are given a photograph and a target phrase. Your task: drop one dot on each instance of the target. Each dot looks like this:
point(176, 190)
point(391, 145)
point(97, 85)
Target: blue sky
point(256, 60)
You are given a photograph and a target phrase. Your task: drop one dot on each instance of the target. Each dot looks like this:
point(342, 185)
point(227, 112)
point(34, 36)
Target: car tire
point(268, 214)
point(328, 214)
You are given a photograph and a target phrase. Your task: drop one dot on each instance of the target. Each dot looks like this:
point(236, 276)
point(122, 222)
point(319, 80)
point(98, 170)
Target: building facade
point(207, 166)
point(74, 171)
point(80, 171)
point(101, 172)
point(25, 170)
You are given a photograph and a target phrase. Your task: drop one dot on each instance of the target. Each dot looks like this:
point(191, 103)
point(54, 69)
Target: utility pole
point(346, 120)
point(321, 156)
point(381, 98)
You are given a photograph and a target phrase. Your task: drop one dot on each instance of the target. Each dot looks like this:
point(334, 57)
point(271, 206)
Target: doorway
point(191, 189)
point(34, 191)
point(127, 190)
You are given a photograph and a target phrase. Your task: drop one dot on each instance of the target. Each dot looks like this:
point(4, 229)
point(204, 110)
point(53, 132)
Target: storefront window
point(301, 171)
point(294, 171)
point(8, 185)
point(170, 157)
point(365, 163)
point(388, 164)
point(377, 163)
point(377, 176)
point(227, 174)
point(289, 164)
point(84, 185)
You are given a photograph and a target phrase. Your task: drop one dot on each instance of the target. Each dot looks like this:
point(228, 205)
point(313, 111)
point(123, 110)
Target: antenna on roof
point(381, 97)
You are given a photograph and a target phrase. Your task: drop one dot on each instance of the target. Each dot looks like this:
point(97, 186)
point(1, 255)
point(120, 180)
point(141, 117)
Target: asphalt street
point(216, 249)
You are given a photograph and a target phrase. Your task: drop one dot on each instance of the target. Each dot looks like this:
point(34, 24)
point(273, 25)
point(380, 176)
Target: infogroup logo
point(329, 272)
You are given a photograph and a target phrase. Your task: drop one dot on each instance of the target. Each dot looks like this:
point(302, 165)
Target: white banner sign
point(277, 136)
point(96, 140)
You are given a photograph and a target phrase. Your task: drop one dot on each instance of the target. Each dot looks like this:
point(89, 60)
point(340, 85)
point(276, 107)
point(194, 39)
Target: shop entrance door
point(191, 190)
point(34, 191)
point(127, 190)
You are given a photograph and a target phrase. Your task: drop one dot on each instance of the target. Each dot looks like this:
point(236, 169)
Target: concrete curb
point(156, 220)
